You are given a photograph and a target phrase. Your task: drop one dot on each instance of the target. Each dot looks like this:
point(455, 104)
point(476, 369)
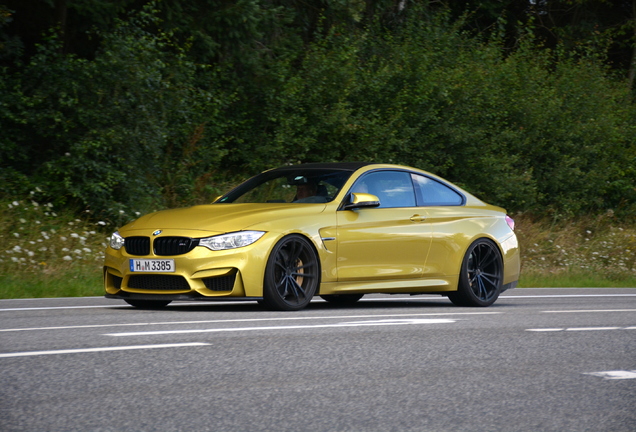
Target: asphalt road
point(538, 360)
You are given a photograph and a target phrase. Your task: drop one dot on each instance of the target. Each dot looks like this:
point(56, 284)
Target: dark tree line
point(127, 105)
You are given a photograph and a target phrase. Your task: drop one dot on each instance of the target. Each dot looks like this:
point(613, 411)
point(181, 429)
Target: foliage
point(179, 99)
point(116, 132)
point(535, 130)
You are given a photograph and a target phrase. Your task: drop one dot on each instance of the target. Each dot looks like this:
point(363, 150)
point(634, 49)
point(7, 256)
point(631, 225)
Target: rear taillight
point(511, 222)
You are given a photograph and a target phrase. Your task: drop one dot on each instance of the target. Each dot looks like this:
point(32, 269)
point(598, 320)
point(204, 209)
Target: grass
point(52, 253)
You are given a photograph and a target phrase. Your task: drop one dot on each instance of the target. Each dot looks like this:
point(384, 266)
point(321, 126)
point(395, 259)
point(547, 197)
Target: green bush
point(143, 124)
point(129, 129)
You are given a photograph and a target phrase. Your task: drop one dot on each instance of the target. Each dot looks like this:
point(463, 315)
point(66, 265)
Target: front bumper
point(198, 274)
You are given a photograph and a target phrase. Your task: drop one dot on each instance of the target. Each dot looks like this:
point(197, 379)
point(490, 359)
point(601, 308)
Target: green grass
point(74, 283)
point(574, 279)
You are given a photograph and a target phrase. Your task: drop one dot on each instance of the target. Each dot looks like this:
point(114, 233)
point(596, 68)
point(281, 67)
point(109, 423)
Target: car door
point(386, 242)
point(444, 211)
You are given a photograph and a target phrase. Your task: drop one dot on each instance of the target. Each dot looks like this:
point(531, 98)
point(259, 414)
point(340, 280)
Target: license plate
point(152, 265)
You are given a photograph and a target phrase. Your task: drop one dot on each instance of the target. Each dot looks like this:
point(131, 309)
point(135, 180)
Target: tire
point(481, 275)
point(148, 304)
point(292, 274)
point(342, 299)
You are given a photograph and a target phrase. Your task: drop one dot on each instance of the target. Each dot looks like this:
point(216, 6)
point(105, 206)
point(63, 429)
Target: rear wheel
point(342, 299)
point(481, 275)
point(148, 304)
point(292, 274)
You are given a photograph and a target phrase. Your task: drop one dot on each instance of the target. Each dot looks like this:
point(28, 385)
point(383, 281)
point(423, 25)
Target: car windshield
point(290, 186)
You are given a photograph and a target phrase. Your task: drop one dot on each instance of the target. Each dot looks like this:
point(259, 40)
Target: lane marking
point(102, 349)
point(565, 296)
point(292, 327)
point(579, 329)
point(423, 298)
point(590, 310)
point(614, 375)
point(110, 306)
point(246, 320)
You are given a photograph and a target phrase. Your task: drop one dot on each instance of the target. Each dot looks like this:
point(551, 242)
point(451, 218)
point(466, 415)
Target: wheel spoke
point(482, 289)
point(297, 289)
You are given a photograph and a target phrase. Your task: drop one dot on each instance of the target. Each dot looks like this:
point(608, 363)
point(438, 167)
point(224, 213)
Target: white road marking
point(398, 316)
point(614, 375)
point(102, 349)
point(218, 303)
point(293, 327)
point(564, 296)
point(108, 306)
point(579, 329)
point(590, 310)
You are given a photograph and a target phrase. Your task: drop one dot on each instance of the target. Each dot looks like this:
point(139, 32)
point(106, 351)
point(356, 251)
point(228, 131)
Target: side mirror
point(361, 200)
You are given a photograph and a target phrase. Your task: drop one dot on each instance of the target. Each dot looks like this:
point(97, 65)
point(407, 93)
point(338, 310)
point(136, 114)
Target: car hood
point(221, 218)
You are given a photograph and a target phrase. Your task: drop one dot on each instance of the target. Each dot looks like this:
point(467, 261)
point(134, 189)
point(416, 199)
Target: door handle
point(418, 218)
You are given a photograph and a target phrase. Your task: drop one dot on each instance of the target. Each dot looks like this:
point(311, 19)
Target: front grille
point(220, 283)
point(168, 246)
point(116, 281)
point(158, 282)
point(137, 245)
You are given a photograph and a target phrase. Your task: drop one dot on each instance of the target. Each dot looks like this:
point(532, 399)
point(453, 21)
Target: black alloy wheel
point(481, 275)
point(292, 275)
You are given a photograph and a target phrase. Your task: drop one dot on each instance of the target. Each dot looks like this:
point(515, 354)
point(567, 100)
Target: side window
point(433, 193)
point(393, 188)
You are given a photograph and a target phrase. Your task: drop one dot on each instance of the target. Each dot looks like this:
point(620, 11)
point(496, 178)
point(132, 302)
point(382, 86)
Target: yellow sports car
point(337, 230)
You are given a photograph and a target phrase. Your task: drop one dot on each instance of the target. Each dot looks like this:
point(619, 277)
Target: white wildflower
point(67, 258)
point(16, 235)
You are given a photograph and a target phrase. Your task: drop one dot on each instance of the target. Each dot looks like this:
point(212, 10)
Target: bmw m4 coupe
point(334, 230)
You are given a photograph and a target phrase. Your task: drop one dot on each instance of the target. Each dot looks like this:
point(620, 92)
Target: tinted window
point(393, 188)
point(433, 193)
point(289, 185)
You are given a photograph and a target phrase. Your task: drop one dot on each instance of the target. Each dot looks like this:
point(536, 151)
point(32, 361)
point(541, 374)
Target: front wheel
point(292, 274)
point(481, 275)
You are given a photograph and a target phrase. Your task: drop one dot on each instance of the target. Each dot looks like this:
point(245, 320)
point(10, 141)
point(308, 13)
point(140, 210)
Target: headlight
point(231, 241)
point(116, 241)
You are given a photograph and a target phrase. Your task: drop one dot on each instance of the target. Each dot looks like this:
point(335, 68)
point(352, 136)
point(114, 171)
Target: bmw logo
point(156, 233)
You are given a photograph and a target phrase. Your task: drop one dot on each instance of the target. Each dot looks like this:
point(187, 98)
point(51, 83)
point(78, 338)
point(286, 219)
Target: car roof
point(344, 166)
